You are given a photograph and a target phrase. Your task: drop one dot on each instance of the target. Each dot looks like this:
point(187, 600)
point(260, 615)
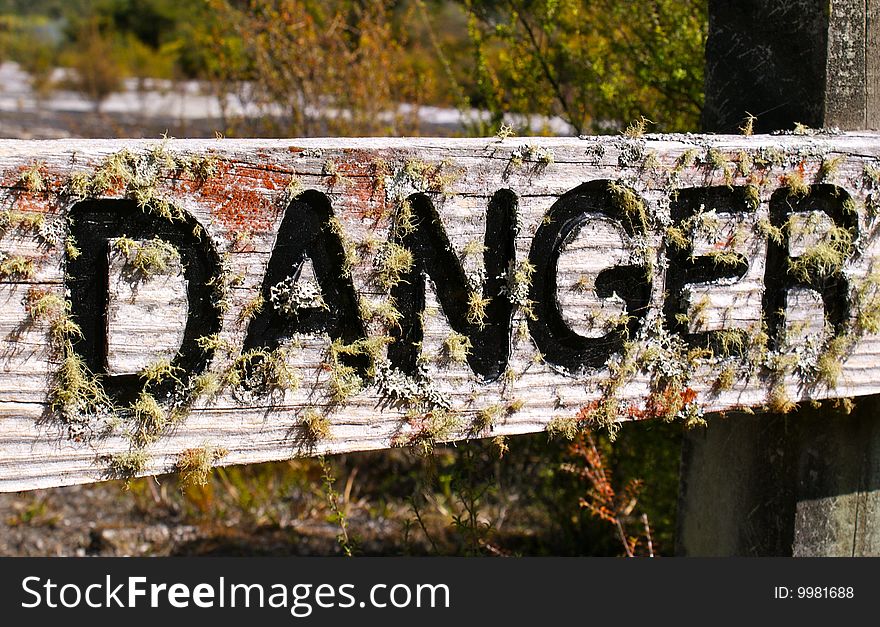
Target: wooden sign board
point(174, 304)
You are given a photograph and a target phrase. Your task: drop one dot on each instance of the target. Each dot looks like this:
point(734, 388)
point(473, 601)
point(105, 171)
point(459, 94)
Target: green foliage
point(595, 64)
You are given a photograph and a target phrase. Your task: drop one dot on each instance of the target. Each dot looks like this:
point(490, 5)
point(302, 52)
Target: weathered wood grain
point(240, 201)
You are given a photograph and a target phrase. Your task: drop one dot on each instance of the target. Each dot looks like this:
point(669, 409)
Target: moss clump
point(477, 314)
point(16, 267)
point(637, 128)
point(251, 308)
point(207, 385)
point(44, 305)
point(32, 178)
point(263, 371)
point(748, 127)
point(677, 237)
point(195, 464)
point(70, 248)
point(565, 427)
point(778, 400)
point(632, 206)
point(486, 418)
point(829, 365)
point(686, 160)
point(392, 262)
point(725, 380)
point(160, 371)
point(515, 405)
point(127, 465)
point(150, 420)
point(148, 259)
point(765, 228)
point(829, 167)
point(456, 348)
point(824, 258)
point(797, 186)
point(315, 426)
point(434, 427)
point(76, 392)
point(431, 177)
point(385, 312)
point(27, 221)
point(473, 248)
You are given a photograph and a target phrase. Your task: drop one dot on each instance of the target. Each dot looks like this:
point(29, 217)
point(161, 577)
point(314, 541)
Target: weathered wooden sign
point(174, 304)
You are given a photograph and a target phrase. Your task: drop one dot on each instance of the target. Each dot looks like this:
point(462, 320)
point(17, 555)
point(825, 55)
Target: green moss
point(629, 202)
point(829, 167)
point(159, 372)
point(315, 426)
point(149, 259)
point(766, 229)
point(486, 419)
point(263, 371)
point(744, 163)
point(563, 427)
point(76, 392)
point(195, 464)
point(70, 248)
point(206, 386)
point(637, 128)
point(456, 348)
point(824, 258)
point(392, 262)
point(753, 196)
point(32, 178)
point(686, 160)
point(44, 305)
point(251, 308)
point(150, 420)
point(432, 428)
point(127, 465)
point(477, 314)
point(748, 127)
point(385, 312)
point(16, 267)
point(725, 379)
point(797, 187)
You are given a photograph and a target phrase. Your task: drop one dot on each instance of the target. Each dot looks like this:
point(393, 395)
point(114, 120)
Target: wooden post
point(806, 483)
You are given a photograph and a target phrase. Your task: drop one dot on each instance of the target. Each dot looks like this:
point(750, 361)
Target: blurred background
point(285, 68)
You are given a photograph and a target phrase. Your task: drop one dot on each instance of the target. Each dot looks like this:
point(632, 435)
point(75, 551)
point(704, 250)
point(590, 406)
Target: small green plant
point(748, 127)
point(477, 313)
point(149, 259)
point(457, 347)
point(797, 186)
point(16, 267)
point(565, 427)
point(824, 258)
point(637, 128)
point(315, 426)
point(32, 178)
point(127, 465)
point(632, 206)
point(392, 262)
point(149, 418)
point(486, 418)
point(195, 464)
